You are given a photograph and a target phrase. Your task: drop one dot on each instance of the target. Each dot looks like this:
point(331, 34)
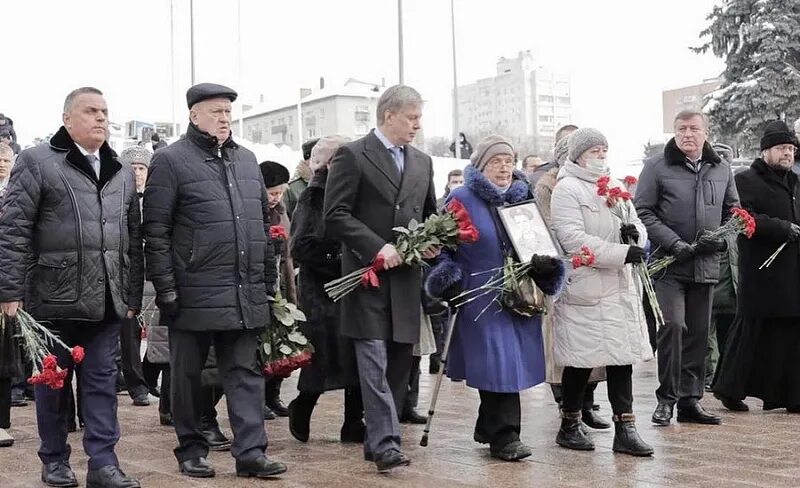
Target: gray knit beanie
point(136, 155)
point(489, 147)
point(582, 140)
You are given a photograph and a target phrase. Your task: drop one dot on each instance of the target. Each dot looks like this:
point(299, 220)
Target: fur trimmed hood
point(478, 183)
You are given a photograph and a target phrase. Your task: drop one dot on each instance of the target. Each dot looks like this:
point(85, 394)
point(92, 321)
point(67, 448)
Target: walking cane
point(451, 325)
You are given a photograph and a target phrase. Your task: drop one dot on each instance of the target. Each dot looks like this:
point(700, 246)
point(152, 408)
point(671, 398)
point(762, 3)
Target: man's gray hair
point(5, 148)
point(78, 92)
point(690, 114)
point(324, 150)
point(395, 98)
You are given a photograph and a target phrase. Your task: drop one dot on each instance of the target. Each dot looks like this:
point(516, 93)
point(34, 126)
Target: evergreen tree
point(653, 149)
point(760, 43)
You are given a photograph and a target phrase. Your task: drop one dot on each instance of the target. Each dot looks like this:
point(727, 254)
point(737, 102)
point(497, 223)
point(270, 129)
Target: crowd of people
point(179, 244)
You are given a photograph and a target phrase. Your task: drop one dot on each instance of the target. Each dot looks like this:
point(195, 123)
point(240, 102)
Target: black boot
point(570, 435)
point(591, 419)
point(626, 438)
point(353, 428)
point(215, 438)
point(300, 410)
point(273, 397)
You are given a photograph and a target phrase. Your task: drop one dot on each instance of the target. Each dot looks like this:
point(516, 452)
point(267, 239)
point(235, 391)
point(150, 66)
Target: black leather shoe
point(662, 415)
point(165, 419)
point(593, 420)
point(391, 459)
point(480, 437)
point(570, 434)
point(110, 477)
point(141, 400)
point(277, 406)
point(58, 473)
point(268, 413)
point(353, 431)
point(731, 404)
point(410, 416)
point(215, 438)
point(695, 414)
point(259, 467)
point(513, 451)
point(198, 467)
point(300, 419)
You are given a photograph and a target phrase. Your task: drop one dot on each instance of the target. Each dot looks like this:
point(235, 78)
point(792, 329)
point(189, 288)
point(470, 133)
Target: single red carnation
point(49, 362)
point(630, 180)
point(277, 232)
point(78, 354)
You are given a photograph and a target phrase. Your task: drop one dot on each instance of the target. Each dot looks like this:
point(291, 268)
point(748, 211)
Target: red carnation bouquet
point(619, 201)
point(37, 342)
point(449, 229)
point(741, 222)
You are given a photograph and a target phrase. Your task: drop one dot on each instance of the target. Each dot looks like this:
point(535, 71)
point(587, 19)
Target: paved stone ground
point(751, 449)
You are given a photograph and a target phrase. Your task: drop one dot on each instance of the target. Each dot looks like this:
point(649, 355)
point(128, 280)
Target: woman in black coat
point(333, 365)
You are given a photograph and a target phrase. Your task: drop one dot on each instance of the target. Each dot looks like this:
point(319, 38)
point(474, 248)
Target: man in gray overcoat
point(376, 183)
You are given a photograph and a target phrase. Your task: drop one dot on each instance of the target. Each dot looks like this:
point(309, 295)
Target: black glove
point(794, 233)
point(635, 255)
point(451, 293)
point(542, 266)
point(628, 234)
point(682, 251)
point(709, 245)
point(167, 303)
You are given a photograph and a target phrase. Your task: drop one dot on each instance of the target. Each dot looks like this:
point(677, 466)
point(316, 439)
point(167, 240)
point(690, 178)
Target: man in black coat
point(376, 183)
point(212, 265)
point(71, 248)
point(760, 358)
point(682, 196)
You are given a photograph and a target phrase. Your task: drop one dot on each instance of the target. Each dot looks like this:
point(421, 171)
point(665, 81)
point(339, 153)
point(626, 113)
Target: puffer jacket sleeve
point(135, 254)
point(18, 218)
point(270, 264)
point(647, 200)
point(568, 225)
point(160, 202)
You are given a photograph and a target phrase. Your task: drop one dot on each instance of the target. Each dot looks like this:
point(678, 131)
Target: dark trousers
point(98, 377)
point(439, 327)
point(721, 326)
point(682, 340)
point(412, 395)
point(130, 338)
point(5, 403)
point(383, 369)
point(236, 352)
point(619, 382)
point(150, 372)
point(499, 418)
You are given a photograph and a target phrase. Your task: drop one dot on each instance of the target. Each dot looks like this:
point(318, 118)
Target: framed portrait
point(527, 231)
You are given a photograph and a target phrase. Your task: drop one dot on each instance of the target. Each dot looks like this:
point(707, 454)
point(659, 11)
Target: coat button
point(416, 209)
point(397, 207)
point(104, 221)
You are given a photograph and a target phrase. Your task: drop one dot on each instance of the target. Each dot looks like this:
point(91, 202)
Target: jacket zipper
point(79, 235)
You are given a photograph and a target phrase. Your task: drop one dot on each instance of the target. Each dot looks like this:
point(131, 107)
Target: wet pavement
point(753, 448)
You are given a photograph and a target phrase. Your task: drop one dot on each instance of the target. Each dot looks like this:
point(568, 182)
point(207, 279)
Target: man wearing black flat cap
point(760, 358)
point(212, 264)
point(302, 175)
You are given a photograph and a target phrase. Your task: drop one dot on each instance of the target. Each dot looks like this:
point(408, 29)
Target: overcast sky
point(620, 54)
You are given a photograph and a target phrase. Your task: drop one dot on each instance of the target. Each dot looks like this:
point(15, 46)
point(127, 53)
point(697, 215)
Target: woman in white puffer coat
point(599, 317)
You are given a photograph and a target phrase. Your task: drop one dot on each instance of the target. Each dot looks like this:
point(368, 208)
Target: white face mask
point(596, 165)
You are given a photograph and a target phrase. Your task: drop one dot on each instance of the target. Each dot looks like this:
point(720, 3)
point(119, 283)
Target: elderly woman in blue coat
point(494, 349)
